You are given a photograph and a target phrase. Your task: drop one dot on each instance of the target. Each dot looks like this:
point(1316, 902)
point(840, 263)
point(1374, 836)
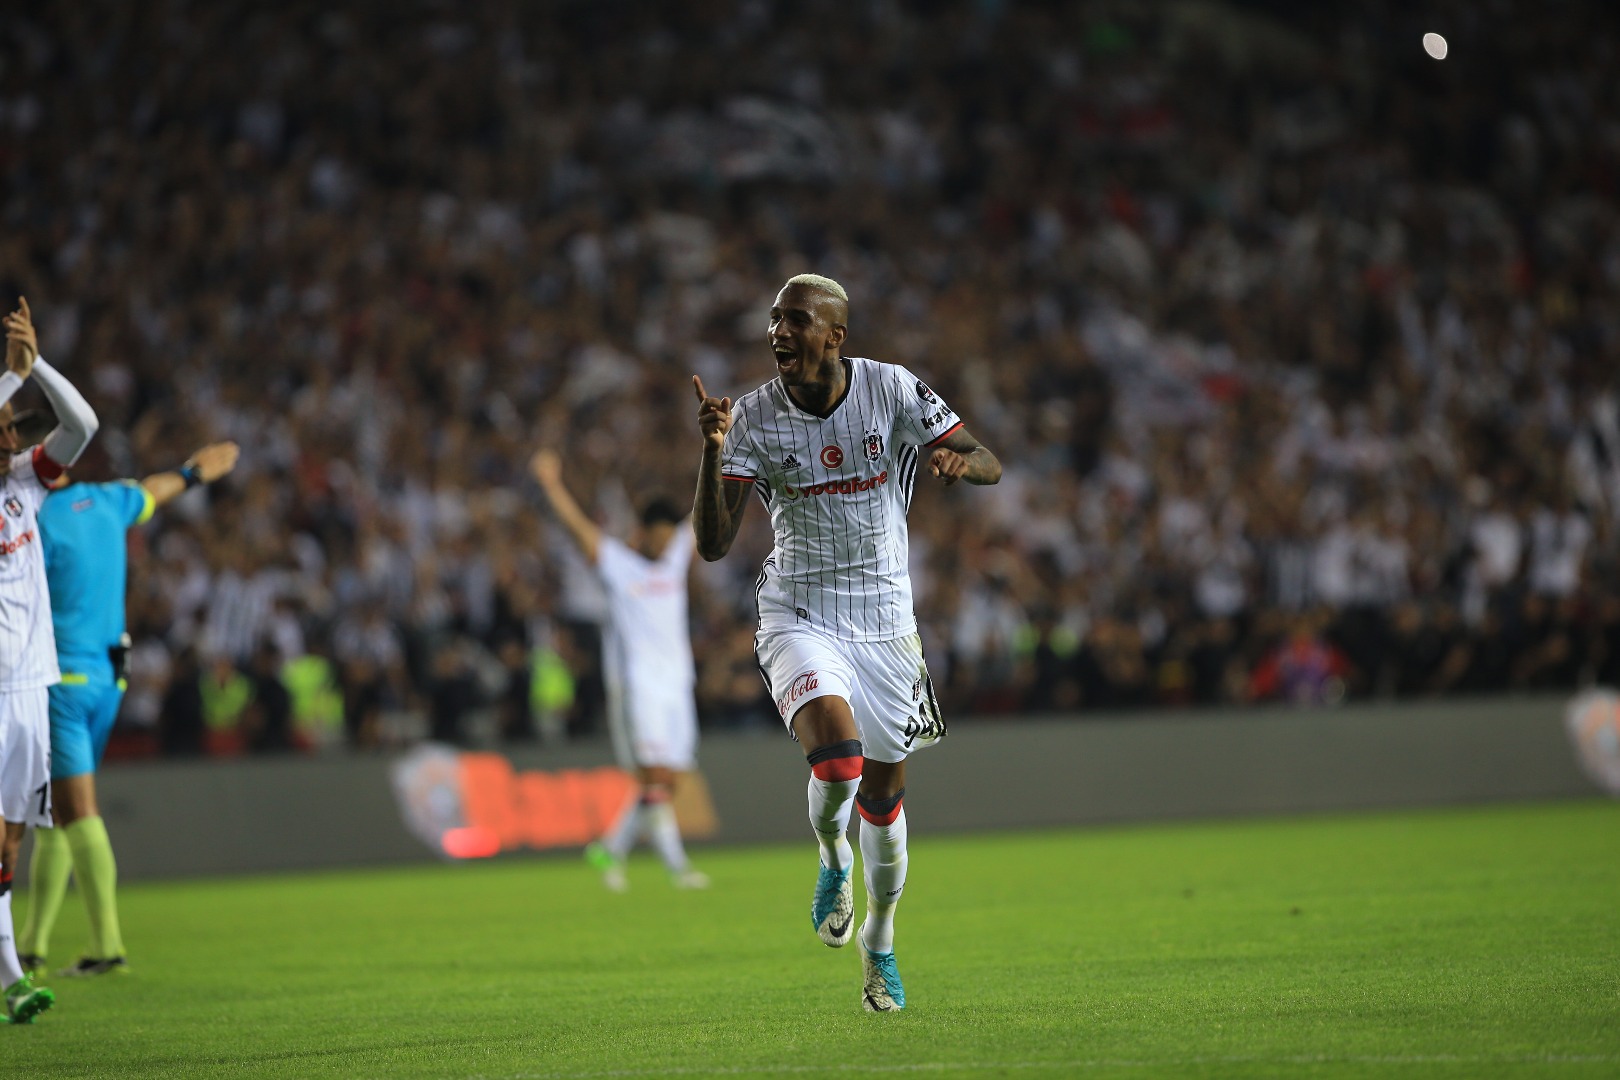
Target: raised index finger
point(22, 302)
point(697, 384)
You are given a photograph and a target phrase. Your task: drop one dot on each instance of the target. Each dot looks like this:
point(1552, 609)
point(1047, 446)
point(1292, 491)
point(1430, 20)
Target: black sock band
point(879, 809)
point(847, 748)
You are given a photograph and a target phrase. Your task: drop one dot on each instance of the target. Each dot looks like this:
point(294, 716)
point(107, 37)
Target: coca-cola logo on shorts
point(800, 686)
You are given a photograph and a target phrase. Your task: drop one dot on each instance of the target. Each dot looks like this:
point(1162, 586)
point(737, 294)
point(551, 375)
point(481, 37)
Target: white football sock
point(10, 969)
point(622, 836)
point(831, 802)
point(665, 834)
point(883, 855)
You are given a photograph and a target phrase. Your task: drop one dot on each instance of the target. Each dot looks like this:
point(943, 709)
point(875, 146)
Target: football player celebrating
point(27, 644)
point(832, 447)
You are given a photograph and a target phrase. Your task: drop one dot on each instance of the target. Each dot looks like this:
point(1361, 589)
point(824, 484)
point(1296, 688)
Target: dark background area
point(1299, 347)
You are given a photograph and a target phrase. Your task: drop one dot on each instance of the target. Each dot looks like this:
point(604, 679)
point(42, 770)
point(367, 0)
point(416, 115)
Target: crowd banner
point(465, 804)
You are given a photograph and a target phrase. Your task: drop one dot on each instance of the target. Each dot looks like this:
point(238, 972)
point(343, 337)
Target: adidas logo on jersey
point(790, 463)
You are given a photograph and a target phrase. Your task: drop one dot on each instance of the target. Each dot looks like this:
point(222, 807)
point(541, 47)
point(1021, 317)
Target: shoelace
point(828, 885)
point(890, 971)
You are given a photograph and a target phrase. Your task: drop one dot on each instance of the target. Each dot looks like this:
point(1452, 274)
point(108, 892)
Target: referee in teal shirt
point(82, 528)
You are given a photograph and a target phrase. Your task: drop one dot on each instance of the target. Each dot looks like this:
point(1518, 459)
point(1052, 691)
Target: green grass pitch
point(1453, 943)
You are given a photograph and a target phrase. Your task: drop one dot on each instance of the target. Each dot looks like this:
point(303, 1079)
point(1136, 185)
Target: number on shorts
point(44, 794)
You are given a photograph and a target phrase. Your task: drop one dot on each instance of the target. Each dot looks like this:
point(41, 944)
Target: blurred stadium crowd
point(1300, 348)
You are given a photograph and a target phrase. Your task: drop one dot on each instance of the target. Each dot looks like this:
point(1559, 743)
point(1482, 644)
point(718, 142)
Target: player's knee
point(880, 810)
point(824, 720)
point(837, 762)
point(73, 798)
point(881, 779)
point(658, 776)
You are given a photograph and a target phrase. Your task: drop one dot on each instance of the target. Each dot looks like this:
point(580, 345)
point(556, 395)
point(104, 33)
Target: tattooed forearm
point(717, 509)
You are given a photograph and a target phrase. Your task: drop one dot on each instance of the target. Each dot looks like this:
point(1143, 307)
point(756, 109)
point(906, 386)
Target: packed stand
point(1300, 348)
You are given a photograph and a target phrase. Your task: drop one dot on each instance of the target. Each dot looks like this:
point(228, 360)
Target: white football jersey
point(838, 490)
point(647, 647)
point(27, 640)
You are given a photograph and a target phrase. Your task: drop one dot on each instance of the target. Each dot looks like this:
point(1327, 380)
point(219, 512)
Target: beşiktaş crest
point(14, 506)
point(873, 444)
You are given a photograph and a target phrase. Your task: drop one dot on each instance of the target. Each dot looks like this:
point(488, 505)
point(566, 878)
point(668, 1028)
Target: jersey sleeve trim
point(945, 435)
point(739, 477)
point(46, 469)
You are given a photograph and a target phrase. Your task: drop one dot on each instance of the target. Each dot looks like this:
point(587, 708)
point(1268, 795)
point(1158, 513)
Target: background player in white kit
point(831, 446)
point(647, 668)
point(27, 642)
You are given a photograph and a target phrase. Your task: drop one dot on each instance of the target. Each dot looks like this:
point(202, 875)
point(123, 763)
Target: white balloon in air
point(1435, 46)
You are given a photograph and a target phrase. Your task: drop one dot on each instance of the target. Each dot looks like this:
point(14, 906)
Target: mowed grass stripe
point(1440, 943)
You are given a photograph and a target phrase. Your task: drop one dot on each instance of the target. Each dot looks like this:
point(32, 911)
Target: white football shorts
point(885, 682)
point(652, 726)
point(25, 756)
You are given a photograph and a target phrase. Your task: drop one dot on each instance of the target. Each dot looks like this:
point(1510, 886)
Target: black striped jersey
point(27, 638)
point(837, 490)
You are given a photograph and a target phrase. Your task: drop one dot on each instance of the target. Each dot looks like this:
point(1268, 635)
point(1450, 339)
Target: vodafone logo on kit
point(835, 487)
point(11, 547)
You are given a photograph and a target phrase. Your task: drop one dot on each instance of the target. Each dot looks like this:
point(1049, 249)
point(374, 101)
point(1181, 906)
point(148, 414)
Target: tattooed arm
point(717, 509)
point(959, 456)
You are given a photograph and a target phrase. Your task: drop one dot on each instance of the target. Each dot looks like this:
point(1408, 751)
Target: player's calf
point(835, 775)
point(884, 860)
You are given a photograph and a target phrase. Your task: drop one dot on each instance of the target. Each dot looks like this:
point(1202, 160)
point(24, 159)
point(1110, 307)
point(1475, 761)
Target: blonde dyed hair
point(818, 281)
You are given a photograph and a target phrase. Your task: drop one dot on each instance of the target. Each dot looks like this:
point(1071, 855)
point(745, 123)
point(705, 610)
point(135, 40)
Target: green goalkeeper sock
point(97, 872)
point(48, 874)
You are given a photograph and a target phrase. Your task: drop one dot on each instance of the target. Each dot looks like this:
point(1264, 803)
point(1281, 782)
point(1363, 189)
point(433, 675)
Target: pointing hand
point(948, 465)
point(714, 415)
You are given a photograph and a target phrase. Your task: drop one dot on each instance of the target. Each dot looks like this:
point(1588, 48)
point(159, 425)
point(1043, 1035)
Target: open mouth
point(785, 359)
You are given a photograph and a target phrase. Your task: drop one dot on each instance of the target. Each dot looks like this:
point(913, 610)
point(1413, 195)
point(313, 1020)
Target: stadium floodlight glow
point(1435, 46)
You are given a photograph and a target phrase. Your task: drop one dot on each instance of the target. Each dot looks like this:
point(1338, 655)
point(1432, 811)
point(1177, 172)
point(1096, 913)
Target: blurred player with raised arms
point(27, 644)
point(647, 666)
point(86, 565)
point(831, 447)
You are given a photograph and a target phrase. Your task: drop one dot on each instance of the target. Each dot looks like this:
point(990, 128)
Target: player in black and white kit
point(27, 639)
point(832, 447)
